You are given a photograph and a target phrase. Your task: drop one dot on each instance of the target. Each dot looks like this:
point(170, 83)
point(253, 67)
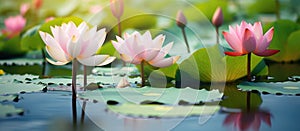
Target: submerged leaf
point(287, 88)
point(9, 110)
point(162, 95)
point(162, 110)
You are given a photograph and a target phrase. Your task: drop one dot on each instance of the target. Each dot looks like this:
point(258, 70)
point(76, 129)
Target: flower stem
point(185, 39)
point(142, 74)
point(84, 101)
point(217, 33)
point(248, 101)
point(119, 27)
point(74, 72)
point(120, 34)
point(249, 67)
point(44, 62)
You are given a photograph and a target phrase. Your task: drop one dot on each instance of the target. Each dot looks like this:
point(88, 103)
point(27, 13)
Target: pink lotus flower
point(70, 42)
point(14, 26)
point(217, 19)
point(245, 39)
point(136, 48)
point(246, 120)
point(117, 8)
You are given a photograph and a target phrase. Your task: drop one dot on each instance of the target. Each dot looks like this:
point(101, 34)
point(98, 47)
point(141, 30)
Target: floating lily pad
point(288, 88)
point(162, 95)
point(7, 98)
point(21, 61)
point(90, 79)
point(9, 110)
point(162, 110)
point(15, 88)
point(17, 78)
point(130, 71)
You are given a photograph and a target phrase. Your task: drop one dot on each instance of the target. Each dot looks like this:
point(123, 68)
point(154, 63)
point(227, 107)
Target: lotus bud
point(217, 19)
point(37, 4)
point(24, 8)
point(117, 8)
point(181, 19)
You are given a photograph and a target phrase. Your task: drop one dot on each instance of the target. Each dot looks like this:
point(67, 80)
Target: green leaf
point(9, 110)
point(16, 88)
point(31, 39)
point(288, 88)
point(235, 98)
point(21, 61)
point(259, 6)
point(209, 64)
point(162, 110)
point(10, 48)
point(208, 8)
point(285, 39)
point(162, 95)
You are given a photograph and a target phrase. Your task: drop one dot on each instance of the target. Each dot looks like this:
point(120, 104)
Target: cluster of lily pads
point(132, 90)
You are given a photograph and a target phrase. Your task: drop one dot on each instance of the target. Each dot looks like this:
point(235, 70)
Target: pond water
point(52, 111)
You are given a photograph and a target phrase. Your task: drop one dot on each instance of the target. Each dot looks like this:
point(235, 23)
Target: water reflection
point(247, 120)
point(244, 112)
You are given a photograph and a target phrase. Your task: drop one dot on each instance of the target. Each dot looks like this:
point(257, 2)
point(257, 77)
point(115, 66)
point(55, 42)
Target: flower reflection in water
point(248, 120)
point(249, 117)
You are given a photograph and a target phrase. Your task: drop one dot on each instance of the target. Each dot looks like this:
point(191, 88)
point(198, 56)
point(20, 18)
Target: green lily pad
point(287, 88)
point(16, 88)
point(285, 39)
point(90, 79)
point(162, 95)
point(17, 78)
point(9, 110)
point(130, 71)
point(21, 61)
point(210, 64)
point(162, 110)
